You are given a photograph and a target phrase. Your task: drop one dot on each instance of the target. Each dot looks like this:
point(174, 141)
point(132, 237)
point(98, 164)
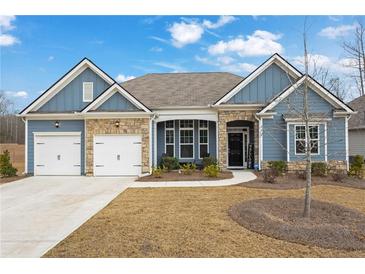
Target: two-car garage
point(113, 155)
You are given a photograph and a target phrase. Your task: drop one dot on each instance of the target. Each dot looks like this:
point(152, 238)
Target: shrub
point(211, 170)
point(270, 175)
point(188, 168)
point(207, 161)
point(6, 168)
point(338, 176)
point(157, 172)
point(170, 163)
point(301, 175)
point(357, 166)
point(278, 166)
point(319, 169)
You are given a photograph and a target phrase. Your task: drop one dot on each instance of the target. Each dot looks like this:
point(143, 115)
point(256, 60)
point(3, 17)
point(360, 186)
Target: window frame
point(305, 139)
point(192, 144)
point(83, 91)
point(199, 143)
point(173, 134)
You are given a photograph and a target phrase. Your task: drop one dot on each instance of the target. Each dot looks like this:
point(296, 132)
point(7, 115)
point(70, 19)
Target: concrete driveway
point(38, 212)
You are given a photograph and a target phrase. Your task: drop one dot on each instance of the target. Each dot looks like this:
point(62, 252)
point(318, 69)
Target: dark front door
point(235, 149)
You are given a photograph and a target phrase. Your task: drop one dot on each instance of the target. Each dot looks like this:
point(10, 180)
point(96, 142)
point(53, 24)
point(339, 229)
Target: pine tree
point(6, 168)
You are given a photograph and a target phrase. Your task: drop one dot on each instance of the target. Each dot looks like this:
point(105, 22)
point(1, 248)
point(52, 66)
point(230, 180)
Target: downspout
point(154, 136)
point(25, 145)
point(260, 139)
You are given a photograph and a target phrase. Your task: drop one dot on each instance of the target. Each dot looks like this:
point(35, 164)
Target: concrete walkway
point(239, 176)
point(36, 213)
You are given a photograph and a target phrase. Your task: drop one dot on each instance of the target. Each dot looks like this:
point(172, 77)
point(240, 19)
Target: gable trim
point(274, 59)
point(319, 89)
point(63, 81)
point(109, 92)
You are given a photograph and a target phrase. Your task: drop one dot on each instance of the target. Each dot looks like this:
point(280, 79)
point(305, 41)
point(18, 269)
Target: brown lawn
point(192, 222)
point(174, 175)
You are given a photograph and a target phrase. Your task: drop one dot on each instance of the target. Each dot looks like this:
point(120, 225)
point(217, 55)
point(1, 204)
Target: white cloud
point(259, 43)
point(173, 67)
point(17, 94)
point(50, 58)
point(227, 63)
point(223, 20)
point(122, 78)
point(6, 22)
point(159, 39)
point(156, 49)
point(8, 40)
point(339, 31)
point(183, 33)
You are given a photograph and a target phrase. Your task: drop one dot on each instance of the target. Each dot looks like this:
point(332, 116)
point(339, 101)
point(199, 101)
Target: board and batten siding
point(263, 88)
point(161, 141)
point(275, 130)
point(357, 142)
point(117, 102)
point(70, 98)
point(48, 126)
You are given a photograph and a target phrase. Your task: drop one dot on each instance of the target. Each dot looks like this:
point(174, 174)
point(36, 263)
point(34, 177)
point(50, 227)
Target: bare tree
point(355, 51)
point(5, 104)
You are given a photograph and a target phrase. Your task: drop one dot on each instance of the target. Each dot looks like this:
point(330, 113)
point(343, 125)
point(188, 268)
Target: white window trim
point(173, 143)
point(83, 91)
point(186, 128)
point(305, 139)
point(207, 143)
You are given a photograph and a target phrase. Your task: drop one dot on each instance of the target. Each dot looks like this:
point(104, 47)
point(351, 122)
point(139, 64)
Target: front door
point(235, 149)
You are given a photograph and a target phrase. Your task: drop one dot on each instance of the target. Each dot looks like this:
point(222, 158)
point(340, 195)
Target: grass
point(192, 222)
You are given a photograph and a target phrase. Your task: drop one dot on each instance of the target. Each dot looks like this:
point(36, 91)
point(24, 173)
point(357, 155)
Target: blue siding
point(161, 141)
point(70, 97)
point(48, 126)
point(263, 88)
point(117, 102)
point(275, 136)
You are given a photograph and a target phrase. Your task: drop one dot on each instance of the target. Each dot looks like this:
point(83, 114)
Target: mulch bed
point(330, 225)
point(4, 180)
point(174, 175)
point(291, 181)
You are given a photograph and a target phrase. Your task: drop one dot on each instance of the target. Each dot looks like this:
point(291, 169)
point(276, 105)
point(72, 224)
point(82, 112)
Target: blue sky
point(37, 50)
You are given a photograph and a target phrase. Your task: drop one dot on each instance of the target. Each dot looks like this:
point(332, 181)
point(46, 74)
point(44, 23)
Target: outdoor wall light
point(117, 124)
point(57, 124)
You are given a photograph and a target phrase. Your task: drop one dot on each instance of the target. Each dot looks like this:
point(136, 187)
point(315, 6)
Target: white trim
point(287, 142)
point(274, 59)
point(173, 130)
point(325, 144)
point(150, 141)
point(185, 128)
point(187, 114)
point(312, 119)
point(305, 139)
point(58, 133)
point(85, 148)
point(26, 146)
point(216, 141)
point(347, 141)
point(239, 106)
point(110, 92)
point(155, 144)
point(83, 91)
point(261, 144)
point(316, 88)
point(109, 115)
point(52, 116)
point(207, 143)
point(66, 79)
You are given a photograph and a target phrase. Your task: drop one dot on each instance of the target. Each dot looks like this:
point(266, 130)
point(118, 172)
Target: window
point(300, 139)
point(87, 91)
point(169, 139)
point(186, 139)
point(203, 139)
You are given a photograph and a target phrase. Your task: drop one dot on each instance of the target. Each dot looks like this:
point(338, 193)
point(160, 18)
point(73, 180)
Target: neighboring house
point(357, 127)
point(86, 123)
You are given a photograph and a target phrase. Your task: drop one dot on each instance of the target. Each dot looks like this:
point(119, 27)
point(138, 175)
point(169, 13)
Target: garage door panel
point(117, 155)
point(57, 155)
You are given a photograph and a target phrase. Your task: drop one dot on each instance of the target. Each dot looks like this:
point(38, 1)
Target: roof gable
point(274, 59)
point(64, 81)
point(357, 120)
point(130, 102)
point(117, 103)
point(314, 86)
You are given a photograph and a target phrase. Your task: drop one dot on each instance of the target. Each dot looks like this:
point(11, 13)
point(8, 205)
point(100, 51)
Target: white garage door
point(57, 154)
point(117, 155)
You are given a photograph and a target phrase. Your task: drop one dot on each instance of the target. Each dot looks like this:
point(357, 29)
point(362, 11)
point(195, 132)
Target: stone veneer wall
point(138, 126)
point(294, 166)
point(225, 116)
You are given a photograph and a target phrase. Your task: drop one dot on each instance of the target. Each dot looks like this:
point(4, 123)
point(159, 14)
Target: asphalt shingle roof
point(357, 120)
point(157, 90)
